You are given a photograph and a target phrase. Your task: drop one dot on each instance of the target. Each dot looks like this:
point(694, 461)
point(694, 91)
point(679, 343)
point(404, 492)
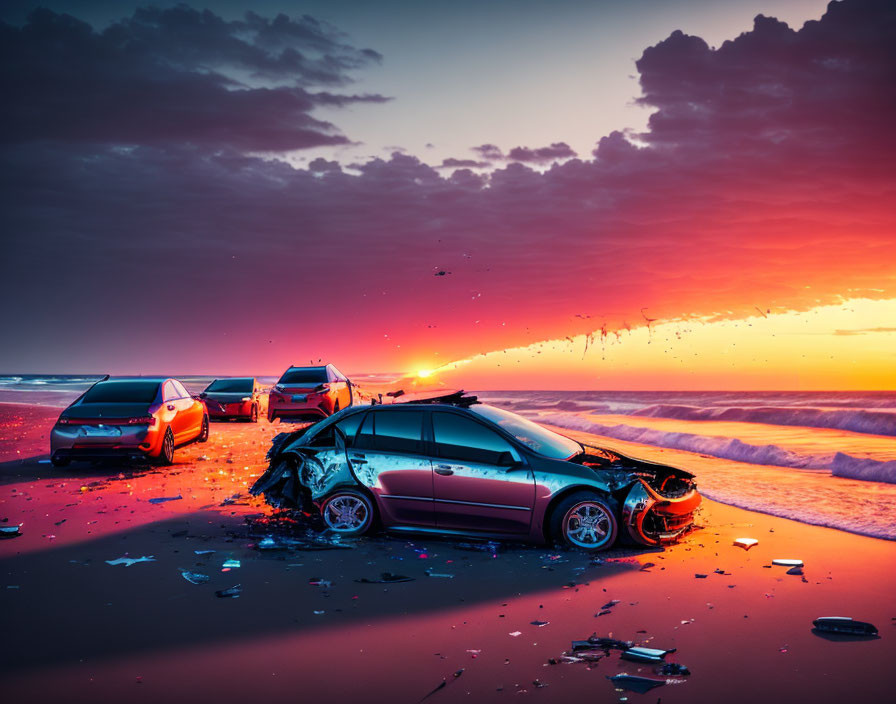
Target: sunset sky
point(703, 192)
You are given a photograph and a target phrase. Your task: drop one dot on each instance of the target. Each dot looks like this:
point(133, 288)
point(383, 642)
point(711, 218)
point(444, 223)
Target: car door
point(174, 410)
point(388, 457)
point(339, 383)
point(479, 480)
point(192, 410)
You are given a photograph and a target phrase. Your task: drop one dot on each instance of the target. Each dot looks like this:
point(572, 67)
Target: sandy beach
point(79, 629)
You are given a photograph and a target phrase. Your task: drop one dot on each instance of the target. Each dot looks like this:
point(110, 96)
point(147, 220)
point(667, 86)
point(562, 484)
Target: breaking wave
point(855, 420)
point(840, 464)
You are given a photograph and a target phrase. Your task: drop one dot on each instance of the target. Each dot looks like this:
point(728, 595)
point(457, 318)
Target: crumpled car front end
point(658, 502)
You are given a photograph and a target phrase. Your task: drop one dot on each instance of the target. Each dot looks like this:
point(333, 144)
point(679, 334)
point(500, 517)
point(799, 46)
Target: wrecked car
point(467, 468)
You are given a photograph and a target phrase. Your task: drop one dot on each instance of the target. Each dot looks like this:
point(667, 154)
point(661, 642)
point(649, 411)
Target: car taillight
point(63, 421)
point(143, 420)
point(246, 398)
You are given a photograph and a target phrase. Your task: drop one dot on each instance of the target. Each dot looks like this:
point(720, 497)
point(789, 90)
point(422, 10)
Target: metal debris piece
point(844, 625)
point(386, 578)
point(746, 543)
point(697, 575)
point(787, 562)
point(540, 624)
point(230, 593)
point(795, 570)
point(10, 532)
point(639, 654)
point(163, 499)
point(636, 683)
point(230, 564)
point(515, 634)
point(442, 575)
point(128, 561)
point(203, 552)
point(194, 577)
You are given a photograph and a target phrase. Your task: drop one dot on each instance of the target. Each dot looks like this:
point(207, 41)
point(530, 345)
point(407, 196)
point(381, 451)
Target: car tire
point(254, 417)
point(585, 520)
point(203, 430)
point(59, 461)
point(348, 512)
point(166, 454)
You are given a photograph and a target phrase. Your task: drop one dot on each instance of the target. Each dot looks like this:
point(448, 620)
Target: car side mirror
point(506, 459)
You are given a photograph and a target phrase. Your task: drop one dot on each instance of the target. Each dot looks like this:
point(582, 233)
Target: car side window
point(350, 426)
point(181, 391)
point(465, 440)
point(398, 431)
point(169, 393)
point(364, 436)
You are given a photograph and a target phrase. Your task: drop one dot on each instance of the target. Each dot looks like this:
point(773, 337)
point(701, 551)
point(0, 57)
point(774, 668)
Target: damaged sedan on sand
point(466, 468)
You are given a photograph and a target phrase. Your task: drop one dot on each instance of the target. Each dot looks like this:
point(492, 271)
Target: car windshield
point(231, 385)
point(122, 392)
point(541, 440)
point(308, 375)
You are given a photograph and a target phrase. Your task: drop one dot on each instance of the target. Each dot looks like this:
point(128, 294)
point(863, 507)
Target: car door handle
point(444, 469)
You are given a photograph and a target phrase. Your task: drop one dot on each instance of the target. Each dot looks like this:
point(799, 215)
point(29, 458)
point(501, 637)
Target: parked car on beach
point(236, 397)
point(129, 418)
point(309, 393)
point(467, 468)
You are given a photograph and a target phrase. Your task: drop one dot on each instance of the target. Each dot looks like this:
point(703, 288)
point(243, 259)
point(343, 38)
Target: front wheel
point(348, 512)
point(585, 520)
point(166, 456)
point(203, 430)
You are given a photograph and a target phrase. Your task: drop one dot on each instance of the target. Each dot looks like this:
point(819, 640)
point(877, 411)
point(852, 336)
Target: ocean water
point(826, 458)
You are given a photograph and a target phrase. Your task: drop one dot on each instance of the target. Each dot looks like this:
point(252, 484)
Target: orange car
point(309, 393)
point(129, 418)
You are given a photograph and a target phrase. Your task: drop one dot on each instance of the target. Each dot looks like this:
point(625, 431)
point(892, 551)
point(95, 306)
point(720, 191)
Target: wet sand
point(77, 629)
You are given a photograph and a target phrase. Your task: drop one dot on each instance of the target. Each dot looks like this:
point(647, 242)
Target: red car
point(129, 418)
point(232, 398)
point(309, 393)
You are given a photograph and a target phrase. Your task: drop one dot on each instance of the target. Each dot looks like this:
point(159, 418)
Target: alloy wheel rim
point(588, 525)
point(169, 445)
point(346, 513)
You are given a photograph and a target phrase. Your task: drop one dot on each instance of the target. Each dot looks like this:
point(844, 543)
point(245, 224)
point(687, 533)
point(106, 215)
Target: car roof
point(154, 379)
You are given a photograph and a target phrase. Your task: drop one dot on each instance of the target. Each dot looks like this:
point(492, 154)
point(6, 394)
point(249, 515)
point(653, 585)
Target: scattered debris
point(697, 575)
point(128, 561)
point(844, 625)
point(674, 668)
point(386, 578)
point(539, 624)
point(194, 577)
point(636, 683)
point(442, 575)
point(10, 532)
point(230, 593)
point(230, 564)
point(595, 642)
point(515, 634)
point(746, 543)
point(203, 552)
point(318, 582)
point(787, 562)
point(163, 499)
point(795, 570)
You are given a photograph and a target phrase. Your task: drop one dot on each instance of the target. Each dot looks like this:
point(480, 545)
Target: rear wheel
point(348, 512)
point(166, 456)
point(254, 418)
point(585, 520)
point(203, 431)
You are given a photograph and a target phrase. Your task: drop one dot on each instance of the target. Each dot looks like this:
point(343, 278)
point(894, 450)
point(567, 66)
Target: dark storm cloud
point(176, 76)
point(452, 163)
point(766, 178)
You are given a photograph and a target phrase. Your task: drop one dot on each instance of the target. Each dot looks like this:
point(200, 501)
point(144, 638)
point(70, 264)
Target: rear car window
point(465, 440)
point(392, 431)
point(309, 375)
point(122, 392)
point(231, 386)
